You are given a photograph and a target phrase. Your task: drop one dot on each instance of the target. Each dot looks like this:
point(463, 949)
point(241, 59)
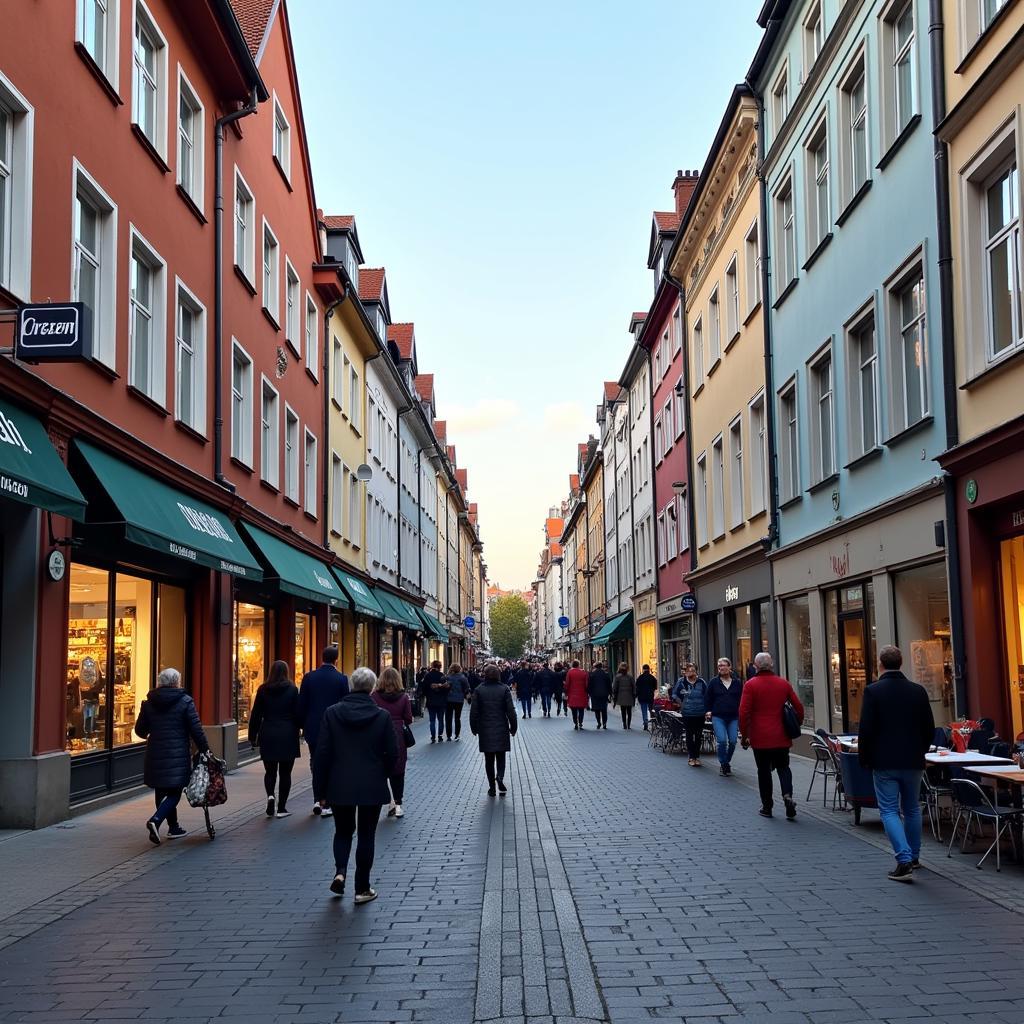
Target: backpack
point(695, 700)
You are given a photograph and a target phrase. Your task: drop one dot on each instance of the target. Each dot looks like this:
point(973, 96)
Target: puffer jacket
point(623, 690)
point(168, 721)
point(459, 691)
point(356, 752)
point(695, 698)
point(274, 722)
point(492, 717)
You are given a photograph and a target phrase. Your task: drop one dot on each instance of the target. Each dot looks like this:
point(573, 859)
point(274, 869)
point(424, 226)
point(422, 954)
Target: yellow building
point(983, 131)
point(716, 256)
point(592, 481)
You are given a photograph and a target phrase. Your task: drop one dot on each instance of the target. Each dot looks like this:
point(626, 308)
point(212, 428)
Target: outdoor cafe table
point(1012, 776)
point(969, 758)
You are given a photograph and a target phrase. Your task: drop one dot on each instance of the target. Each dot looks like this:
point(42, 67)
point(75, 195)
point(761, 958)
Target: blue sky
point(503, 162)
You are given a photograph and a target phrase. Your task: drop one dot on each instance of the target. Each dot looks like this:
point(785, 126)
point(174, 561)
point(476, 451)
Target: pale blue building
point(858, 560)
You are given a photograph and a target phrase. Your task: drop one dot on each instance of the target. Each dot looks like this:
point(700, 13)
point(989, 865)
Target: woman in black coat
point(274, 728)
point(492, 719)
point(599, 689)
point(355, 755)
point(167, 721)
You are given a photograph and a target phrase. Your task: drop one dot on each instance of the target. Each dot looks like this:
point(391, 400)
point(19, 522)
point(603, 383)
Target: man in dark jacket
point(546, 681)
point(320, 689)
point(896, 729)
point(524, 689)
point(355, 754)
point(599, 690)
point(434, 690)
point(492, 718)
point(646, 688)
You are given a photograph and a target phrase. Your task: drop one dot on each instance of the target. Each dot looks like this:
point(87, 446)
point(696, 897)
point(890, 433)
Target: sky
point(503, 162)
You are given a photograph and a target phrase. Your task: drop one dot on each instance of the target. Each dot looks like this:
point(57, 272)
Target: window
point(96, 30)
point(715, 328)
point(789, 451)
point(312, 337)
point(282, 139)
point(671, 547)
point(785, 219)
point(657, 363)
point(736, 472)
point(270, 451)
point(354, 399)
point(662, 540)
point(684, 521)
point(822, 417)
point(677, 330)
point(816, 155)
point(752, 265)
point(659, 439)
point(191, 135)
point(309, 474)
point(780, 99)
point(338, 362)
point(921, 602)
point(702, 500)
point(292, 306)
point(679, 407)
point(899, 69)
point(796, 614)
point(271, 272)
point(190, 360)
point(149, 79)
point(717, 488)
point(853, 105)
point(354, 520)
point(291, 455)
point(337, 499)
point(732, 300)
point(241, 406)
point(94, 275)
point(989, 10)
point(908, 353)
point(758, 457)
point(698, 352)
point(814, 36)
point(16, 144)
point(666, 422)
point(863, 377)
point(147, 323)
point(1002, 260)
point(245, 228)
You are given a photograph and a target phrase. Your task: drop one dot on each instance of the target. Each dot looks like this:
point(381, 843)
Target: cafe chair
point(659, 730)
point(1000, 748)
point(931, 794)
point(941, 740)
point(825, 768)
point(973, 804)
point(858, 784)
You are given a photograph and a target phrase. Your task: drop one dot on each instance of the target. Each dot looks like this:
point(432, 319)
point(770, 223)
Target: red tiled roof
point(441, 430)
point(474, 508)
point(611, 391)
point(667, 221)
point(402, 336)
point(574, 481)
point(371, 284)
point(556, 549)
point(424, 385)
point(451, 454)
point(554, 527)
point(253, 17)
point(462, 475)
point(344, 223)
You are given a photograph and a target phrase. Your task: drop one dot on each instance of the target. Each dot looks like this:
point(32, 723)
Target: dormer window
point(382, 326)
point(351, 263)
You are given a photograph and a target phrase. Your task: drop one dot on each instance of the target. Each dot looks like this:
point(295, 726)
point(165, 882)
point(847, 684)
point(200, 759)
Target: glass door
point(850, 626)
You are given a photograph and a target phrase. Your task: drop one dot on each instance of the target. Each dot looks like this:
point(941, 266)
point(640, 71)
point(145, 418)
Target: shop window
point(852, 651)
point(922, 633)
point(743, 643)
point(88, 641)
point(1012, 571)
point(132, 653)
point(305, 644)
point(796, 615)
point(253, 628)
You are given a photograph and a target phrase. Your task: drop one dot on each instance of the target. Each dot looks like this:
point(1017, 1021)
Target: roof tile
point(424, 385)
point(402, 336)
point(253, 17)
point(371, 284)
point(340, 223)
point(667, 221)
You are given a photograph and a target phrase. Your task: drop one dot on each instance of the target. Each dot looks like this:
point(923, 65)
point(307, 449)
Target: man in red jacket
point(764, 696)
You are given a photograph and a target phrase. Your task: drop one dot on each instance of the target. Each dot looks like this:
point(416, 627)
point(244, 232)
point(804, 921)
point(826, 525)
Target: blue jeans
point(645, 711)
point(527, 704)
point(893, 788)
point(437, 720)
point(726, 731)
point(545, 703)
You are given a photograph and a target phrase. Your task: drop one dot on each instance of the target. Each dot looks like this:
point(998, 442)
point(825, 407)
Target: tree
point(510, 626)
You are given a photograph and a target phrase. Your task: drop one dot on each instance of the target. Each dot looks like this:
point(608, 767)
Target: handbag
point(790, 721)
point(409, 736)
point(217, 790)
point(198, 782)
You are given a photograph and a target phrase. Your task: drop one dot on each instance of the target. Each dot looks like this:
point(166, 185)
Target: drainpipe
point(325, 377)
point(936, 31)
point(218, 288)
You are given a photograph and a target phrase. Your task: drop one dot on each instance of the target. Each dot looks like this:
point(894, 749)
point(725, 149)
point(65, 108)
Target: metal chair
point(824, 766)
point(973, 804)
point(659, 730)
point(931, 794)
point(676, 736)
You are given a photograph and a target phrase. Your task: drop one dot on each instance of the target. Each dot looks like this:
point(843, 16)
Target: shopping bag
point(198, 783)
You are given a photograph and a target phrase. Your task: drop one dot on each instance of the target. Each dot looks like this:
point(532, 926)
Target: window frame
point(818, 401)
point(715, 328)
point(864, 319)
point(856, 72)
point(1009, 233)
point(292, 311)
point(718, 487)
point(16, 244)
point(243, 451)
point(817, 184)
point(752, 267)
point(270, 435)
point(701, 509)
point(292, 475)
point(911, 270)
point(247, 268)
point(150, 27)
point(198, 383)
point(272, 279)
point(197, 193)
point(758, 454)
point(337, 495)
point(110, 69)
point(788, 396)
point(312, 338)
point(894, 128)
point(780, 98)
point(280, 121)
point(786, 233)
point(813, 32)
point(737, 497)
point(309, 494)
point(156, 385)
point(697, 344)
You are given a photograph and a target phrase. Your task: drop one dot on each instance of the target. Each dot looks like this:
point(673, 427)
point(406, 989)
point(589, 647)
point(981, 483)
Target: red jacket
point(576, 688)
point(761, 711)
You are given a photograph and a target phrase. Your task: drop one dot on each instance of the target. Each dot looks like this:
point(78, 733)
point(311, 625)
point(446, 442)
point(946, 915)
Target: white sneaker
point(399, 813)
point(326, 812)
point(283, 814)
point(391, 809)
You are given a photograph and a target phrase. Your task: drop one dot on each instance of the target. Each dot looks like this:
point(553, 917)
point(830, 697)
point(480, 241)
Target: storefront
point(645, 637)
point(844, 594)
point(406, 626)
point(355, 632)
point(142, 561)
point(675, 626)
point(614, 641)
point(436, 637)
point(734, 613)
point(988, 492)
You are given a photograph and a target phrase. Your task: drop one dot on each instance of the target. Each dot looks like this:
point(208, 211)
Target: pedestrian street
point(613, 883)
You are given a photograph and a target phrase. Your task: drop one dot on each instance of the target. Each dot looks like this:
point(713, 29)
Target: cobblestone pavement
point(612, 884)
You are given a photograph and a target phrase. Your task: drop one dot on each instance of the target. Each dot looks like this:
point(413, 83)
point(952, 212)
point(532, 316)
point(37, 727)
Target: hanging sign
point(53, 332)
point(469, 622)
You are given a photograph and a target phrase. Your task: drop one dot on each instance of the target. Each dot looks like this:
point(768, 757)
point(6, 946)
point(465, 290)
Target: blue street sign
point(688, 603)
point(563, 621)
point(469, 622)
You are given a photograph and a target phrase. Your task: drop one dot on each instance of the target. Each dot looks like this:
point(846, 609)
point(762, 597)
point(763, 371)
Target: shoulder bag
point(790, 721)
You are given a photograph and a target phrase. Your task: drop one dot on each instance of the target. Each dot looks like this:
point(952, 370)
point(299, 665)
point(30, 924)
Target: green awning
point(360, 594)
point(31, 471)
point(296, 572)
point(399, 612)
point(167, 520)
point(619, 628)
point(434, 628)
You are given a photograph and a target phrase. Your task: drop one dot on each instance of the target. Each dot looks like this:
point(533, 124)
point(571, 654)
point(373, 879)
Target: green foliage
point(510, 626)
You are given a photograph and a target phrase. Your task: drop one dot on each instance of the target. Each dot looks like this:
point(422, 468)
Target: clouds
point(487, 415)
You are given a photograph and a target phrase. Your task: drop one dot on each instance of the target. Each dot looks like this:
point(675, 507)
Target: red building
point(662, 336)
point(189, 445)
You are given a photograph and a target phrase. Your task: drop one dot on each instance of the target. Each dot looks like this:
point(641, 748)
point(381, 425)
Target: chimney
point(683, 186)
